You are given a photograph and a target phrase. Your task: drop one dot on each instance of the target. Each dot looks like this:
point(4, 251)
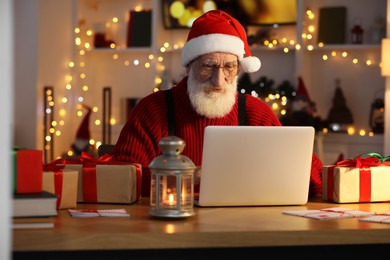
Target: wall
point(55, 47)
point(6, 104)
point(26, 61)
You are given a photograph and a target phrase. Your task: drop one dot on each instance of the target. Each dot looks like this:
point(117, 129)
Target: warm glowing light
point(83, 76)
point(85, 88)
point(64, 100)
point(77, 41)
point(58, 133)
point(82, 64)
point(68, 78)
point(160, 59)
point(91, 141)
point(77, 30)
point(362, 132)
point(89, 32)
point(70, 153)
point(115, 56)
point(163, 49)
point(112, 121)
point(298, 47)
point(285, 50)
point(79, 113)
point(147, 65)
point(82, 52)
point(355, 61)
point(48, 138)
point(52, 130)
point(155, 89)
point(310, 47)
point(68, 86)
point(344, 54)
point(157, 80)
point(126, 63)
point(333, 53)
point(115, 19)
point(62, 112)
point(97, 122)
point(71, 64)
point(176, 10)
point(95, 109)
point(368, 62)
point(53, 123)
point(151, 56)
point(136, 62)
point(87, 45)
point(311, 28)
point(351, 130)
point(320, 44)
point(324, 57)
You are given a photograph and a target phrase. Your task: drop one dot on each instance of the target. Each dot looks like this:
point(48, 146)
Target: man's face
point(212, 83)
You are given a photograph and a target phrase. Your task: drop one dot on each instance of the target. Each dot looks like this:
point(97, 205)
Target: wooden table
point(230, 231)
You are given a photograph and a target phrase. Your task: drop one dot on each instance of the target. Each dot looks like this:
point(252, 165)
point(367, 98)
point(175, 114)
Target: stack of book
point(26, 205)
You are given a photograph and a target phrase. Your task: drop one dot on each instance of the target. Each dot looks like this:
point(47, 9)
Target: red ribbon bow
point(360, 162)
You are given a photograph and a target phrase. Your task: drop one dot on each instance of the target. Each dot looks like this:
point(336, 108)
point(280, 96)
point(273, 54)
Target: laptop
point(255, 166)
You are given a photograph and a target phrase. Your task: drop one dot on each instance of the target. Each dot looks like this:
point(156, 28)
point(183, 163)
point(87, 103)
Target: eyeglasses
point(229, 70)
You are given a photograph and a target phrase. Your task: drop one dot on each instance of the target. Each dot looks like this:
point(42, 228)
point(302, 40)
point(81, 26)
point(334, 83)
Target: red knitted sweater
point(147, 124)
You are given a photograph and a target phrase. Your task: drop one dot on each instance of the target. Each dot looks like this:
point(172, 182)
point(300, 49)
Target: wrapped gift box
point(105, 181)
point(62, 183)
point(352, 184)
point(27, 170)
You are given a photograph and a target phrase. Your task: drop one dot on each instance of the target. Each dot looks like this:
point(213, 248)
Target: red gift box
point(28, 168)
point(61, 182)
point(105, 181)
point(357, 180)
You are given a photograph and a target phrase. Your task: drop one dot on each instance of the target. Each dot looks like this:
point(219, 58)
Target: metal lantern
point(172, 179)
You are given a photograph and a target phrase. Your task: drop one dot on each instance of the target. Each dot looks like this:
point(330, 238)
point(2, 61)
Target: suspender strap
point(241, 109)
point(170, 112)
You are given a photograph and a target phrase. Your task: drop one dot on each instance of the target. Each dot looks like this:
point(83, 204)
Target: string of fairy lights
point(75, 81)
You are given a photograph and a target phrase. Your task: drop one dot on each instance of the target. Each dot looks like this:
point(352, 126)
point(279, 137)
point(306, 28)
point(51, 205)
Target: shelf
point(126, 50)
point(348, 47)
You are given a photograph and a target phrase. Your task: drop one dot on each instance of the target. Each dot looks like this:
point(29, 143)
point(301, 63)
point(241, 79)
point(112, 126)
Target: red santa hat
point(83, 131)
point(217, 31)
point(301, 90)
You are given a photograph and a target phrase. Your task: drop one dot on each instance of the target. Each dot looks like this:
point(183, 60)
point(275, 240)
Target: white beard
point(208, 103)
